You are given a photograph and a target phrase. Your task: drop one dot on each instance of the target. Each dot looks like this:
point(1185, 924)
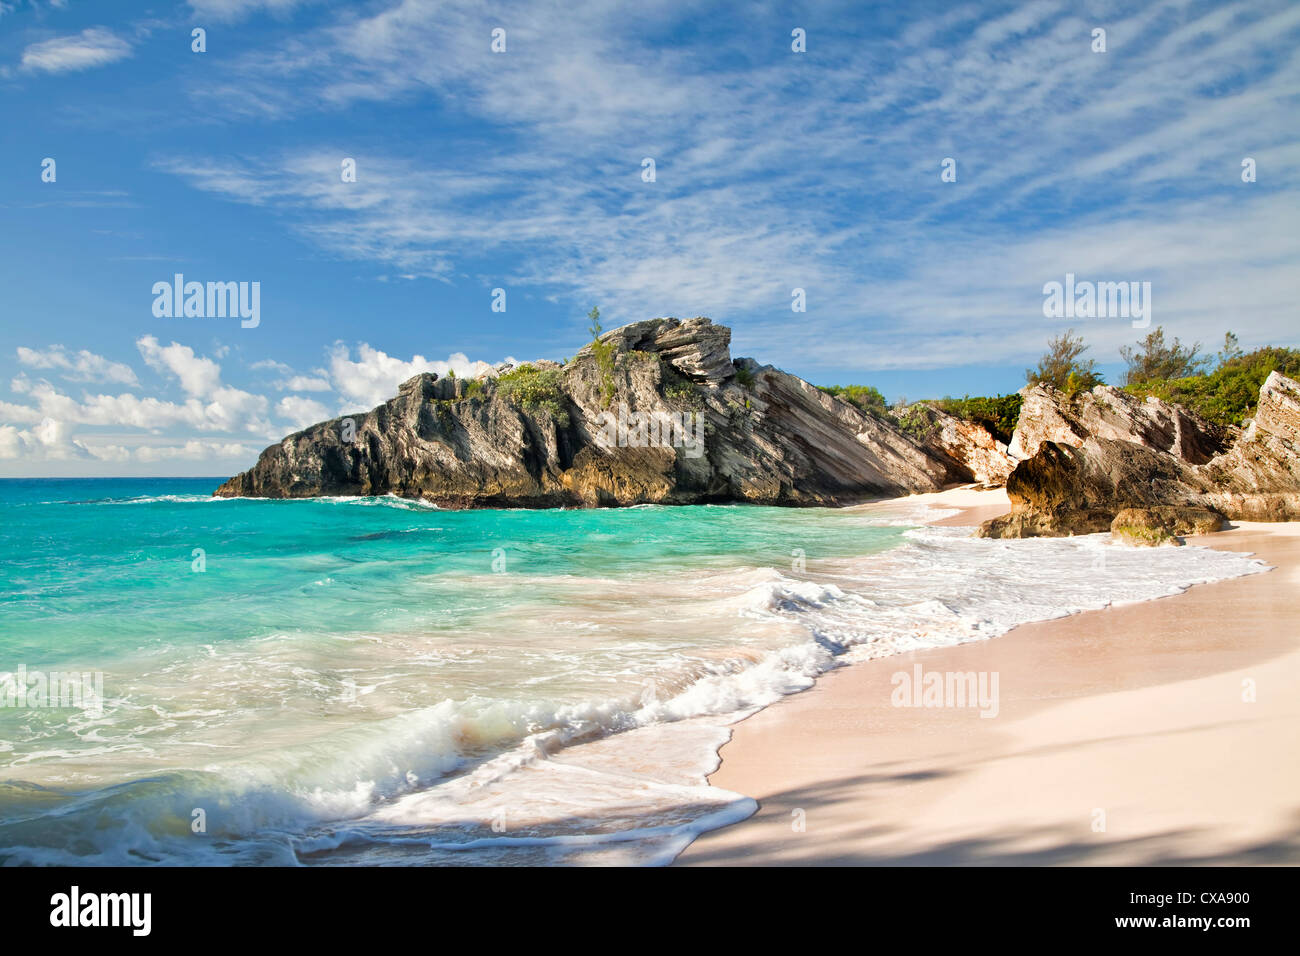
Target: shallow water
point(377, 680)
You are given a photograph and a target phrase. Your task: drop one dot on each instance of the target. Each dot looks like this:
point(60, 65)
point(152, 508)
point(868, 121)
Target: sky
point(919, 170)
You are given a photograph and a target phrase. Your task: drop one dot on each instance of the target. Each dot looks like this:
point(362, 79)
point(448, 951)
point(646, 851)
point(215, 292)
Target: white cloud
point(210, 405)
point(50, 440)
point(305, 383)
point(301, 412)
point(192, 450)
point(271, 364)
point(94, 46)
point(82, 366)
point(835, 190)
point(374, 376)
point(198, 376)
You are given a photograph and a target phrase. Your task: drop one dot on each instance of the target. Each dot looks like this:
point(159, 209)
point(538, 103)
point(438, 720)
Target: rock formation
point(1141, 469)
point(1047, 414)
point(614, 426)
point(975, 454)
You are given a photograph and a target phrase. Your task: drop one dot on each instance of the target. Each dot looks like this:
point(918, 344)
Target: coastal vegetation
point(1063, 366)
point(1226, 395)
point(605, 353)
point(998, 413)
point(1222, 388)
point(864, 397)
point(536, 389)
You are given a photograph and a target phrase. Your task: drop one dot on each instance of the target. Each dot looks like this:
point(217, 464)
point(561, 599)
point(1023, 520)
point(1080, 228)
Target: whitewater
point(376, 680)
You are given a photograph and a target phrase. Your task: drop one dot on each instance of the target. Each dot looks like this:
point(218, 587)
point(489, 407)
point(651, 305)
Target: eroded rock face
point(774, 440)
point(1047, 414)
point(1258, 479)
point(973, 449)
point(1083, 486)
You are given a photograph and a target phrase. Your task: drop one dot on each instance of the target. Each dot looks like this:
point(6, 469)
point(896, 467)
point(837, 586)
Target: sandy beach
point(1166, 732)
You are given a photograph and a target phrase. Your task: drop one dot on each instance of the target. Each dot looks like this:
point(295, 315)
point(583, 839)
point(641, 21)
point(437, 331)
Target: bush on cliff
point(997, 414)
point(1229, 394)
point(863, 397)
point(1063, 367)
point(535, 389)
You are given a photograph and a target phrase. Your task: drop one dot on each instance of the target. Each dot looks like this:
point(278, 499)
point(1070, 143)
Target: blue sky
point(522, 170)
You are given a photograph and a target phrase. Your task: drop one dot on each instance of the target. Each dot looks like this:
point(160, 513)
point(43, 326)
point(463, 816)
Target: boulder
point(1084, 485)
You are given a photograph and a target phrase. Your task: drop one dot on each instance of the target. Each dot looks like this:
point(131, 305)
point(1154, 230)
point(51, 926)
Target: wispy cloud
point(761, 153)
point(81, 366)
point(92, 47)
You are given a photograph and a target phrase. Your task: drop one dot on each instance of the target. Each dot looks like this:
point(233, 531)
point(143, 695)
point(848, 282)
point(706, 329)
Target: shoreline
point(1122, 737)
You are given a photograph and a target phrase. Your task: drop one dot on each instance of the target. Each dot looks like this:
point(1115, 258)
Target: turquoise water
point(376, 680)
point(329, 655)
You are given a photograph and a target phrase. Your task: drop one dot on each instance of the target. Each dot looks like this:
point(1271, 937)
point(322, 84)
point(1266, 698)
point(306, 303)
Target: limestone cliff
point(1167, 470)
point(653, 412)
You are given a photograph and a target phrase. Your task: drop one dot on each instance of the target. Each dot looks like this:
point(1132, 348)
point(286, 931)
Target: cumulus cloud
point(82, 366)
point(192, 450)
point(374, 375)
point(305, 383)
point(94, 46)
point(198, 376)
point(48, 441)
point(300, 412)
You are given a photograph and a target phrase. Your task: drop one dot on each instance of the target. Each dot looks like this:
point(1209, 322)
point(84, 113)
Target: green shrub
point(864, 397)
point(999, 414)
point(684, 393)
point(605, 354)
point(1229, 394)
point(914, 422)
point(1063, 366)
point(536, 390)
point(744, 377)
point(1153, 360)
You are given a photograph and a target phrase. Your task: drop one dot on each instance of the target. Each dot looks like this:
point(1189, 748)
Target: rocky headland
point(659, 412)
point(595, 431)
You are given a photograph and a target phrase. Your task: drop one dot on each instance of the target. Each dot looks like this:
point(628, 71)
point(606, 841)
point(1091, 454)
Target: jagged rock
point(773, 440)
point(1047, 414)
point(695, 347)
point(969, 445)
point(1080, 489)
point(1065, 489)
point(1258, 479)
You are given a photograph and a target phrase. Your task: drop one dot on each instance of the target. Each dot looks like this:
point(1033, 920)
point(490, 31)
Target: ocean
point(376, 680)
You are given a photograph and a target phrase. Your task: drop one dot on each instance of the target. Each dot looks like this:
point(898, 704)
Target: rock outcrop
point(975, 454)
point(653, 412)
point(1158, 476)
point(1047, 414)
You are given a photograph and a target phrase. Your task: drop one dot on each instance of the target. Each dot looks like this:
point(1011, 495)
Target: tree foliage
point(1154, 359)
point(1062, 365)
point(1229, 394)
point(864, 397)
